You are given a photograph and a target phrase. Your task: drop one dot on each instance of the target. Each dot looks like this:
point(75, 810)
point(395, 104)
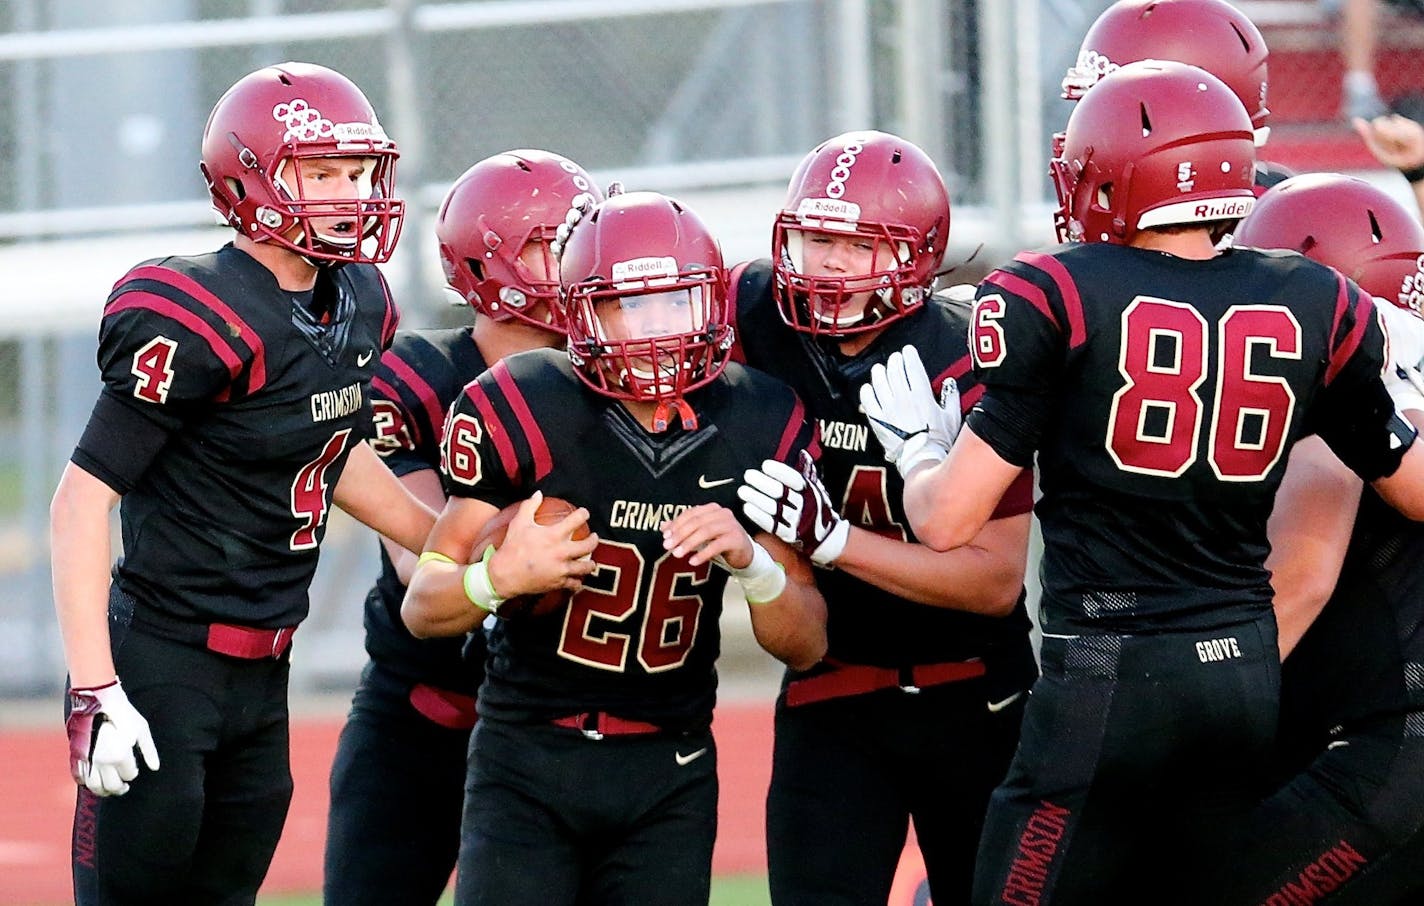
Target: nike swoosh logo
point(1338, 744)
point(895, 430)
point(684, 760)
point(996, 707)
point(361, 360)
point(702, 482)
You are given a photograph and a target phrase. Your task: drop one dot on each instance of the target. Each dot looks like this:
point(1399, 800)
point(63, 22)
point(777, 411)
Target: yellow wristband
point(429, 556)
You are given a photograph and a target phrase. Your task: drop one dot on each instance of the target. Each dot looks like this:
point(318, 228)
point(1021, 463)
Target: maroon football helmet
point(871, 187)
point(1211, 34)
point(1348, 224)
point(640, 253)
point(491, 213)
point(1155, 143)
point(259, 132)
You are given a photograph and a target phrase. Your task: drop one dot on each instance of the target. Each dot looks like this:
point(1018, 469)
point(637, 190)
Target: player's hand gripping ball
point(550, 511)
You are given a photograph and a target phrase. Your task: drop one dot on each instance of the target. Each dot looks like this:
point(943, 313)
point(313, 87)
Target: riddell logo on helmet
point(841, 172)
point(642, 268)
point(827, 209)
point(1223, 210)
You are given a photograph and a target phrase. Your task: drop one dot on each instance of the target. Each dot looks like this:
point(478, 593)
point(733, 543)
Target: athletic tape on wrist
point(763, 579)
point(478, 587)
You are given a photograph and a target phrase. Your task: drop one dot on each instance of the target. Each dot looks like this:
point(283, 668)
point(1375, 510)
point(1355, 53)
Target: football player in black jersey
point(399, 774)
point(1348, 825)
point(1212, 34)
point(1161, 383)
point(929, 652)
point(593, 769)
point(234, 413)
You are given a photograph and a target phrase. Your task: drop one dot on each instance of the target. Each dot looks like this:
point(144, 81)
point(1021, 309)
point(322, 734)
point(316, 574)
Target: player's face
point(830, 255)
point(335, 179)
point(651, 315)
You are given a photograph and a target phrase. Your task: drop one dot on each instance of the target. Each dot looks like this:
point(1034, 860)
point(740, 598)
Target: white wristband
point(763, 579)
point(478, 587)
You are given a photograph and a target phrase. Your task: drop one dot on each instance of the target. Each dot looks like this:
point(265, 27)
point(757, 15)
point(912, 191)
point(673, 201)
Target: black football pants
point(396, 788)
point(1347, 830)
point(1134, 749)
point(849, 774)
point(202, 828)
point(554, 818)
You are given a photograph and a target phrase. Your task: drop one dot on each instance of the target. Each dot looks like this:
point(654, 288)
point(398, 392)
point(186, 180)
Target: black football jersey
point(1166, 394)
point(422, 373)
point(868, 625)
point(1363, 656)
point(263, 402)
point(641, 638)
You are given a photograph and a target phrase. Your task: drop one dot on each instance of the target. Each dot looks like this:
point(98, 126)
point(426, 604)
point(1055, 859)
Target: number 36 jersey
point(1163, 396)
point(641, 638)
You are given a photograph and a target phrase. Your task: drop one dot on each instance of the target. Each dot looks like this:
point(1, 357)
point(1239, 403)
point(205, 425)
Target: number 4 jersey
point(227, 414)
point(641, 638)
point(1163, 396)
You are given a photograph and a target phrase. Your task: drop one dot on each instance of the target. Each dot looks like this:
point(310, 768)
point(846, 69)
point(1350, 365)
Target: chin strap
point(660, 414)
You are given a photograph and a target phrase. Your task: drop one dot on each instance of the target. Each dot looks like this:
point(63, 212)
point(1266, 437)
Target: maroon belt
point(443, 707)
point(598, 724)
point(247, 642)
point(857, 679)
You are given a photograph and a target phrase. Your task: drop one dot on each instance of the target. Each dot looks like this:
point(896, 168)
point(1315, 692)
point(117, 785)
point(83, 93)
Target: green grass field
point(735, 890)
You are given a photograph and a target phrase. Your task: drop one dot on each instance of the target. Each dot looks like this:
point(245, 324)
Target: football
point(551, 510)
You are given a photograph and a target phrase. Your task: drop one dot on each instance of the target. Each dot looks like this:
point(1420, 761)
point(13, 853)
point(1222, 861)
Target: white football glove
point(1402, 373)
point(103, 760)
point(902, 410)
point(793, 505)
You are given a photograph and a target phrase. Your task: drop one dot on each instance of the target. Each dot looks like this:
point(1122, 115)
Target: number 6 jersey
point(227, 414)
point(1163, 396)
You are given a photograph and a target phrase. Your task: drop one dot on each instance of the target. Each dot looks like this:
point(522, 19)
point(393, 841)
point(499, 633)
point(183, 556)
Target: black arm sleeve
point(121, 440)
point(1010, 421)
point(1365, 431)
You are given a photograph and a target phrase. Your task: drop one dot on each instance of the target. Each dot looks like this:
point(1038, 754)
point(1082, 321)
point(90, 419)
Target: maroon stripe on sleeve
point(968, 398)
point(170, 309)
point(956, 369)
point(1351, 341)
point(200, 293)
point(1030, 293)
point(793, 428)
point(502, 444)
point(429, 399)
point(538, 446)
point(1067, 291)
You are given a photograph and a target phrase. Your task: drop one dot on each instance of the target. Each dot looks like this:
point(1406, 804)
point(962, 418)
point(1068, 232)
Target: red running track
point(38, 799)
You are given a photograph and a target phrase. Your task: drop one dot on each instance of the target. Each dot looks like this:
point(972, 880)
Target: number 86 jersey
point(1163, 395)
